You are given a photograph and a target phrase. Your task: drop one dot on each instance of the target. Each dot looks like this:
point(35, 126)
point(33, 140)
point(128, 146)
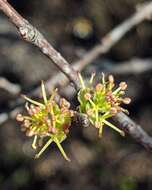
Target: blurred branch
point(143, 12)
point(10, 114)
point(3, 118)
point(11, 88)
point(133, 66)
point(32, 35)
point(107, 42)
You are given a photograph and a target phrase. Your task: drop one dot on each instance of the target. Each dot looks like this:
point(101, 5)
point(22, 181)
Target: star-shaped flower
point(102, 101)
point(46, 120)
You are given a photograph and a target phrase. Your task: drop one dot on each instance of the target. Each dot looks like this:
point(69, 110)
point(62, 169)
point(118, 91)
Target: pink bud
point(71, 113)
point(89, 112)
point(19, 117)
point(54, 130)
point(29, 133)
point(97, 124)
point(26, 123)
point(123, 85)
point(87, 96)
point(99, 87)
point(64, 103)
point(122, 93)
point(113, 110)
point(66, 128)
point(111, 79)
point(126, 100)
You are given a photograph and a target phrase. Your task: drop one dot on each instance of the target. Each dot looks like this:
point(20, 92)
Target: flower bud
point(19, 117)
point(97, 124)
point(37, 109)
point(121, 93)
point(113, 110)
point(29, 133)
point(99, 87)
point(123, 85)
point(23, 129)
point(87, 96)
point(71, 113)
point(66, 128)
point(34, 109)
point(89, 112)
point(26, 123)
point(111, 79)
point(64, 103)
point(54, 130)
point(126, 100)
point(48, 121)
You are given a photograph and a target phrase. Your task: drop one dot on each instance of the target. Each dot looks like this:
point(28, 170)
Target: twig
point(11, 88)
point(3, 118)
point(134, 66)
point(32, 35)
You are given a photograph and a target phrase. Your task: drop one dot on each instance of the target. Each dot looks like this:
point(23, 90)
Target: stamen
point(92, 77)
point(114, 127)
point(19, 117)
point(34, 142)
point(123, 85)
point(44, 148)
point(100, 131)
point(33, 101)
point(103, 78)
point(43, 92)
point(81, 81)
point(111, 79)
point(61, 149)
point(126, 100)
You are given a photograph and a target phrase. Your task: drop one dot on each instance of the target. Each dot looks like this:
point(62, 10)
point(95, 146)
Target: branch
point(133, 66)
point(11, 88)
point(32, 35)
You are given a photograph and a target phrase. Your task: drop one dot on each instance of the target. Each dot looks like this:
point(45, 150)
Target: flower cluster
point(102, 101)
point(51, 121)
point(46, 120)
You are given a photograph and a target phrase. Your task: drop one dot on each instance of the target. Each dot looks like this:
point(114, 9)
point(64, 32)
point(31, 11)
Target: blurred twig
point(107, 43)
point(32, 35)
point(134, 66)
point(11, 88)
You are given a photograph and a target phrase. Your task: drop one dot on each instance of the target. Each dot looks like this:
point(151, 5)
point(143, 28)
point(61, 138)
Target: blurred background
point(73, 27)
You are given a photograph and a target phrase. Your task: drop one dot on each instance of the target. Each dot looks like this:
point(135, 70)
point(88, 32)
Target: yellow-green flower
point(46, 120)
point(102, 101)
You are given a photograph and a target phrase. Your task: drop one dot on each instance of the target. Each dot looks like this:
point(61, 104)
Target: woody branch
point(32, 35)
